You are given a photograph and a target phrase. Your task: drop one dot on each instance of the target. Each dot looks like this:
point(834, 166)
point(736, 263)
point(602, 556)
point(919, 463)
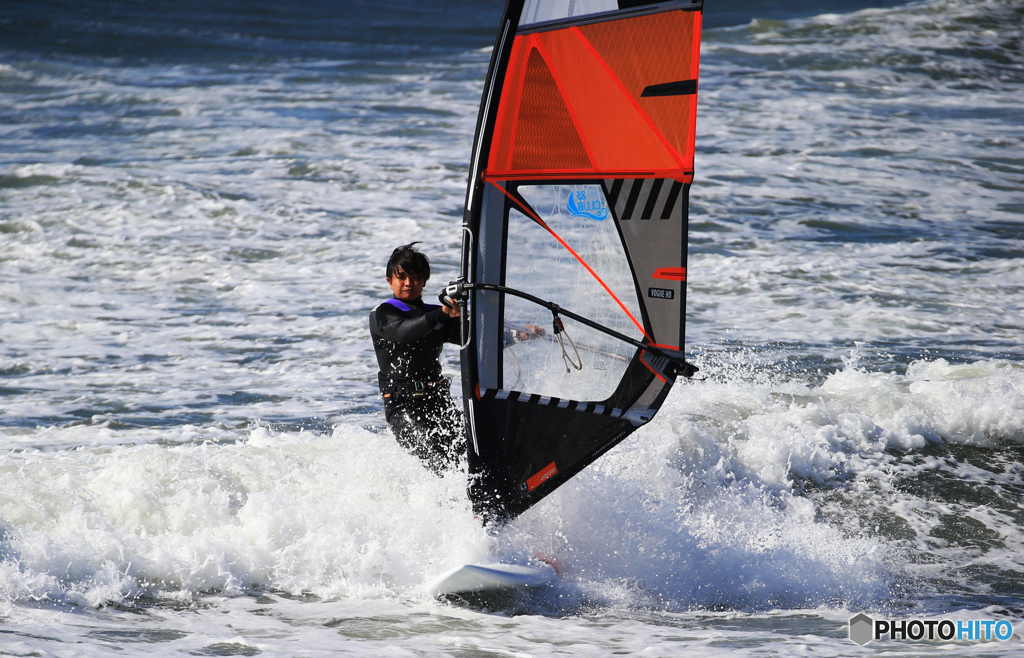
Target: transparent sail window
point(537, 263)
point(543, 11)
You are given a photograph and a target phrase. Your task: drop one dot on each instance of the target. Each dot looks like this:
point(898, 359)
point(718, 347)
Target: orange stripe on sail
point(488, 175)
point(670, 273)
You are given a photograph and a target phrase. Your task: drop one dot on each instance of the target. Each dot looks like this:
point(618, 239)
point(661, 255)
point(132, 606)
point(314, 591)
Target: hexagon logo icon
point(860, 628)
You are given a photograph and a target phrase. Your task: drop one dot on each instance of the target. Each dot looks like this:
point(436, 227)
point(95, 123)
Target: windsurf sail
point(575, 232)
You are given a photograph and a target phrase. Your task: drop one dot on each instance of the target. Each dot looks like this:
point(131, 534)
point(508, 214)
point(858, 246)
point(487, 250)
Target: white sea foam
point(349, 515)
point(689, 512)
point(719, 491)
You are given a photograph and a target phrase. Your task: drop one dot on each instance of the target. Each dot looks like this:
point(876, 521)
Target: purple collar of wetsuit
point(402, 306)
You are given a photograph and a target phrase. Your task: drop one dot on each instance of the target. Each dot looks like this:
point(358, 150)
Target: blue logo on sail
point(580, 206)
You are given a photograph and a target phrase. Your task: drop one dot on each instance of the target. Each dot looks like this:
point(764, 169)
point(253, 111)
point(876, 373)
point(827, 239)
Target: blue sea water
point(196, 200)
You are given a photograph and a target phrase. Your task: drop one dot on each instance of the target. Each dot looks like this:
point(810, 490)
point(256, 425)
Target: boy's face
point(406, 287)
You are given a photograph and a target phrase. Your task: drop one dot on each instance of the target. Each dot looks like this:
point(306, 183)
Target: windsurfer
point(408, 336)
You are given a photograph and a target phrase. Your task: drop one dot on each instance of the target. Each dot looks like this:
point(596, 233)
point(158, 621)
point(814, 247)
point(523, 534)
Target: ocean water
point(196, 202)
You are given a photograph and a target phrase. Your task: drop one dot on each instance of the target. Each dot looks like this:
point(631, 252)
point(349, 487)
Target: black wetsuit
point(408, 338)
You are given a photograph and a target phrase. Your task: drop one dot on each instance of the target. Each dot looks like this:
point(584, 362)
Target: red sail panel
point(572, 101)
point(650, 50)
point(549, 132)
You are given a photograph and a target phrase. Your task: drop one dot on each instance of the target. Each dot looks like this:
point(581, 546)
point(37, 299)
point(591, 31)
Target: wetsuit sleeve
point(454, 330)
point(396, 328)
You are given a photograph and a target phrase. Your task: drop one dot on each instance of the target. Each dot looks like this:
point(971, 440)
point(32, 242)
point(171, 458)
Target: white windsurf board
point(493, 578)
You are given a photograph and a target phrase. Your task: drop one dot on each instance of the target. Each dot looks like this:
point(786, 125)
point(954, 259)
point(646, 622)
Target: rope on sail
point(559, 330)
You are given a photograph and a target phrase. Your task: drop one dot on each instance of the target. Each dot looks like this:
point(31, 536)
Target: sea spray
point(350, 514)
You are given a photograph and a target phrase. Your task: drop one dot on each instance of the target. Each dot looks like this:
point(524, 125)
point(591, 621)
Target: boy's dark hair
point(410, 260)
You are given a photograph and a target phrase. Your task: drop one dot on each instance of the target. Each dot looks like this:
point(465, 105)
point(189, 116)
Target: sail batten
point(578, 199)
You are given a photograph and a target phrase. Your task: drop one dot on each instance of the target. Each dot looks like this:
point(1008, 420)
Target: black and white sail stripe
point(635, 416)
point(644, 198)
